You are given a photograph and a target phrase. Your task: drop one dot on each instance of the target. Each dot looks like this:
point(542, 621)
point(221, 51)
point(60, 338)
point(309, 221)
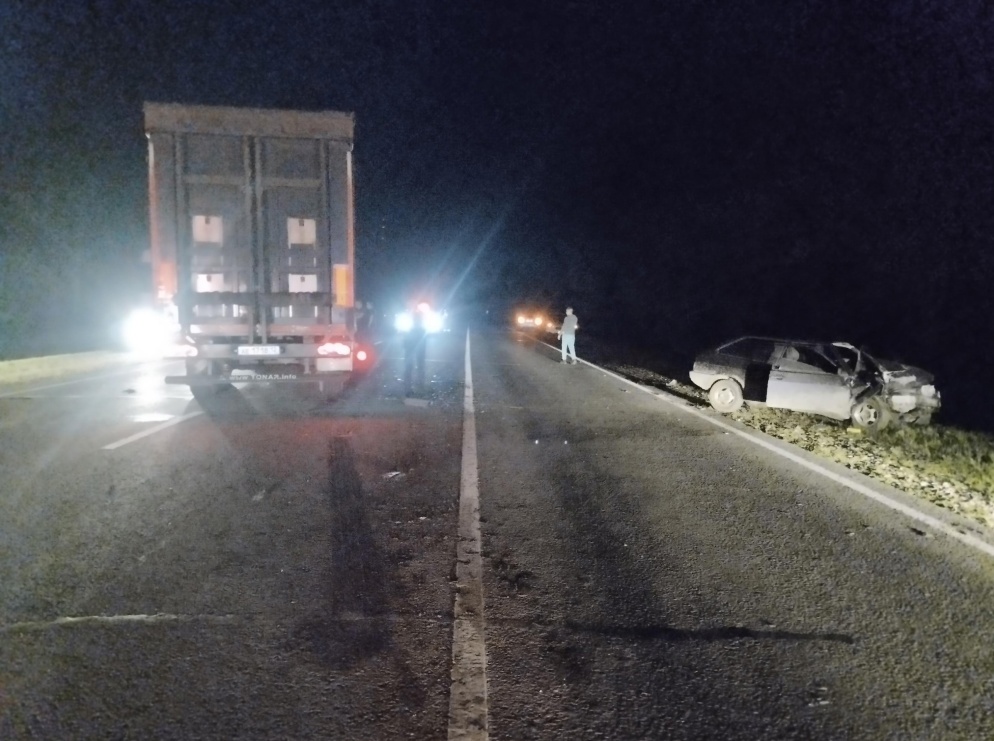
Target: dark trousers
point(414, 362)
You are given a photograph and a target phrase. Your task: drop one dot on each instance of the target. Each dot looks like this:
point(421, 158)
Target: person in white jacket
point(567, 333)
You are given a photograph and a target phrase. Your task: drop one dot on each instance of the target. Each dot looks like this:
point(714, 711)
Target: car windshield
point(850, 357)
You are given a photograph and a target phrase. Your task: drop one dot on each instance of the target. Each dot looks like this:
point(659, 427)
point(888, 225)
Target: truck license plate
point(258, 349)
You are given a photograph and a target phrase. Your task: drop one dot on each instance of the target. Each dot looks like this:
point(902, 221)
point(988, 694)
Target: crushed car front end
point(910, 392)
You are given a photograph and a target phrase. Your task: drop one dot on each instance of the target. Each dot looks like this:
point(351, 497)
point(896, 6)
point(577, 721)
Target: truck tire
point(726, 395)
point(333, 388)
point(204, 368)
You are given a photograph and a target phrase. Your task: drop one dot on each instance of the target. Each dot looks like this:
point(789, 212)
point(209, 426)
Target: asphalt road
point(277, 566)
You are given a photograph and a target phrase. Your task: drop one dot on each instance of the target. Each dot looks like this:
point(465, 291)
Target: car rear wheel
point(870, 414)
point(726, 395)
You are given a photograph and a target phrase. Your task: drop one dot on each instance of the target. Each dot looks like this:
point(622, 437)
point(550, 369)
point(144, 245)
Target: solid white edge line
point(150, 431)
point(149, 619)
point(922, 517)
point(468, 719)
point(71, 621)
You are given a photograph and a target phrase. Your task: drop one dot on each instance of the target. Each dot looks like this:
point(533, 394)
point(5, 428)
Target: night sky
point(681, 172)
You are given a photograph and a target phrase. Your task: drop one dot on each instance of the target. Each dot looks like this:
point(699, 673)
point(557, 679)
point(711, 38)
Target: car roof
point(786, 341)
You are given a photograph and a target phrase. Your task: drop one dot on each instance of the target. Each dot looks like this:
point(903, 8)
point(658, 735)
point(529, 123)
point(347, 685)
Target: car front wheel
point(726, 396)
point(870, 414)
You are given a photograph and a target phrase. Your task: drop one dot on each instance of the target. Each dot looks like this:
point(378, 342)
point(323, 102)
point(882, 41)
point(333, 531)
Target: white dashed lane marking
point(150, 431)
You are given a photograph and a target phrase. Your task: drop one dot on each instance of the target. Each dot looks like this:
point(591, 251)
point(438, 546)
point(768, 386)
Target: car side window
point(751, 348)
point(819, 360)
point(807, 359)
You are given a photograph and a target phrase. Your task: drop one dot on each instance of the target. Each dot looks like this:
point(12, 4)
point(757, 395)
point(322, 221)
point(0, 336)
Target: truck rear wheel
point(333, 388)
point(202, 370)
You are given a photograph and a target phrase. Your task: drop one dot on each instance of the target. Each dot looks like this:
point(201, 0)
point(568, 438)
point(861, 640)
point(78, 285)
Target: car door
point(747, 360)
point(805, 380)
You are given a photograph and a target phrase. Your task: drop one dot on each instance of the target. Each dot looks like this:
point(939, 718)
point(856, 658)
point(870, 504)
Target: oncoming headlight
point(403, 322)
point(433, 322)
point(149, 332)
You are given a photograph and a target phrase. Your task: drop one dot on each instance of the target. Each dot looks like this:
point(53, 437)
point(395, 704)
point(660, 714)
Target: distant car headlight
point(403, 322)
point(539, 321)
point(521, 320)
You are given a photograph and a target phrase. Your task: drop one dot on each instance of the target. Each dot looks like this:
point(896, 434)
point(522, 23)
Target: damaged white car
point(831, 379)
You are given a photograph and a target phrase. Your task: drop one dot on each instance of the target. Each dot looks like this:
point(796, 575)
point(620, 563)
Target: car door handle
point(777, 376)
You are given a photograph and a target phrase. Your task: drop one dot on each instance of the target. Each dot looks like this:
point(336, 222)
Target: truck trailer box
point(252, 240)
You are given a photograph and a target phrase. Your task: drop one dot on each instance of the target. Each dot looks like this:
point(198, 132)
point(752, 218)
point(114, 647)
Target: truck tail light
point(339, 349)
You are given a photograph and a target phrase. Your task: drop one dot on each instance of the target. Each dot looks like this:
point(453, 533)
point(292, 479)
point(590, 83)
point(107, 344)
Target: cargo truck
point(252, 243)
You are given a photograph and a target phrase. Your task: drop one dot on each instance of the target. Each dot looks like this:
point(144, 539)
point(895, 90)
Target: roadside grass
point(946, 452)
